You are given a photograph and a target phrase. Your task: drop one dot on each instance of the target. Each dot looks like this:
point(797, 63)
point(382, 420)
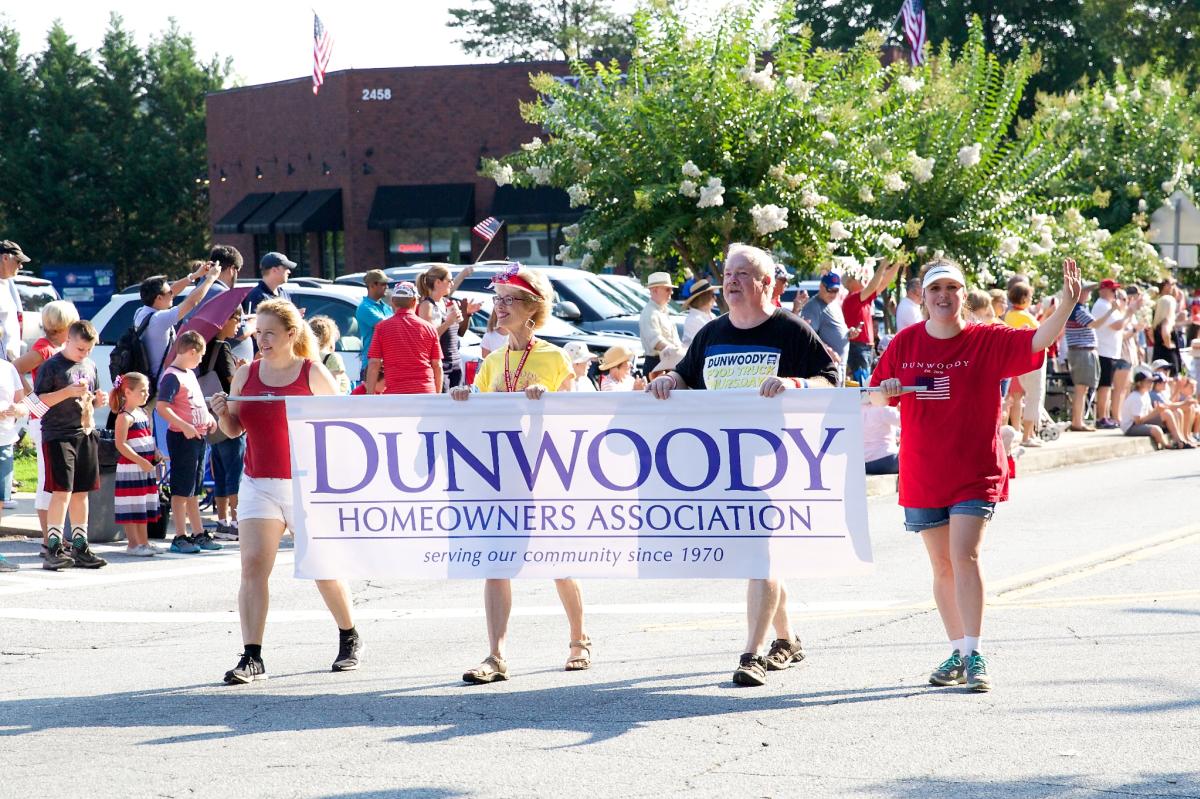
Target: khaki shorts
point(1085, 367)
point(1034, 385)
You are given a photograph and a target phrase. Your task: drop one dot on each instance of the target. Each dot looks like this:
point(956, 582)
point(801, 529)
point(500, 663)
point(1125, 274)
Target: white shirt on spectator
point(10, 321)
point(659, 335)
point(10, 384)
point(1108, 341)
point(695, 320)
point(880, 425)
point(1135, 405)
point(583, 384)
point(908, 313)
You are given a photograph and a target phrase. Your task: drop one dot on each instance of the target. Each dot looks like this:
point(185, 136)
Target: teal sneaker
point(7, 565)
point(977, 676)
point(206, 542)
point(951, 672)
point(184, 545)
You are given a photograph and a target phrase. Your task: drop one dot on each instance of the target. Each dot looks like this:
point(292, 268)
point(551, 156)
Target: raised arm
point(882, 277)
point(1053, 326)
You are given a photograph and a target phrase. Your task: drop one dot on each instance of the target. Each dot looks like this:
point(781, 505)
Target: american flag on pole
point(487, 229)
point(322, 49)
point(912, 14)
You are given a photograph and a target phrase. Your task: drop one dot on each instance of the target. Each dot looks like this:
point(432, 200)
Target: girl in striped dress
point(136, 500)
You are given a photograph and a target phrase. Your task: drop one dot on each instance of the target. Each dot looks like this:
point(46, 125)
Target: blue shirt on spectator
point(1079, 335)
point(370, 313)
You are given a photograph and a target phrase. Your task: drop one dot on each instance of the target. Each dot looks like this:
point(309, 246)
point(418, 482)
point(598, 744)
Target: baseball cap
point(781, 272)
point(12, 248)
point(578, 352)
point(1161, 363)
point(404, 289)
point(1140, 375)
point(831, 280)
point(1110, 284)
point(1157, 378)
point(273, 259)
point(943, 269)
point(375, 276)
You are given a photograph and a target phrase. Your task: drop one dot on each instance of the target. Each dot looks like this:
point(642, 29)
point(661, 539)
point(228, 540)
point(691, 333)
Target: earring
point(529, 324)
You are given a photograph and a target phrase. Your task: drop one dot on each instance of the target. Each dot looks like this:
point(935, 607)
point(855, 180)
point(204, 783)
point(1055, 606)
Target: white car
point(35, 293)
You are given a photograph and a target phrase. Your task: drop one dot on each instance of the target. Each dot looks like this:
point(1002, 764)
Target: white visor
point(944, 271)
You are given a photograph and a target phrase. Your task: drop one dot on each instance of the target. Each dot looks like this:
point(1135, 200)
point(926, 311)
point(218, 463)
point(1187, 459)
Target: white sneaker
point(11, 504)
point(143, 551)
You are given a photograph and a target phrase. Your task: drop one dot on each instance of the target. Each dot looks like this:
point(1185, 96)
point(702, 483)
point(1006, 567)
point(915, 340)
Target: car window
point(339, 309)
point(588, 293)
point(34, 298)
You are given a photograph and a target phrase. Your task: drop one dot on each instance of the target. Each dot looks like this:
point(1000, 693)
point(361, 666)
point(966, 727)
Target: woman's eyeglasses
point(508, 300)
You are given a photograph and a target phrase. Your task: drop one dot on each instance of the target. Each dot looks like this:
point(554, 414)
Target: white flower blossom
point(889, 242)
point(837, 231)
point(893, 182)
point(690, 170)
point(920, 168)
point(1042, 281)
point(821, 114)
point(586, 261)
point(793, 181)
point(1038, 221)
point(866, 195)
point(800, 87)
point(1073, 218)
point(540, 174)
point(712, 194)
point(1036, 250)
point(1142, 205)
point(503, 175)
point(1009, 246)
point(570, 231)
point(985, 277)
point(970, 155)
point(1162, 86)
point(760, 80)
point(829, 138)
point(910, 84)
point(578, 194)
point(1168, 186)
point(778, 171)
point(811, 199)
point(533, 145)
point(1099, 236)
point(841, 164)
point(1109, 103)
point(1120, 89)
point(1136, 94)
point(564, 254)
point(846, 265)
point(1047, 240)
point(688, 188)
point(769, 218)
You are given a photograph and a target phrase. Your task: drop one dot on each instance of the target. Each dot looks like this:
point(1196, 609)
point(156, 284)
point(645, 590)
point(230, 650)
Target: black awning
point(440, 205)
point(316, 211)
point(233, 219)
point(540, 205)
point(263, 220)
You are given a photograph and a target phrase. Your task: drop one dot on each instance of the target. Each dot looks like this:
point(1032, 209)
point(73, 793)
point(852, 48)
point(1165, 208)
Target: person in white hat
point(699, 304)
point(617, 369)
point(953, 467)
point(660, 338)
point(581, 358)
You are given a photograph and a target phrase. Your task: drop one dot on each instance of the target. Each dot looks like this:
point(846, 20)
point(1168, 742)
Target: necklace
point(510, 380)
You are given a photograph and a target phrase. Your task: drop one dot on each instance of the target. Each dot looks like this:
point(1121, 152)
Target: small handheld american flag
point(322, 49)
point(912, 13)
point(487, 229)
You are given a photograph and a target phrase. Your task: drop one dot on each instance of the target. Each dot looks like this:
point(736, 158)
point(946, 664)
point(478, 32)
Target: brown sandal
point(492, 669)
point(580, 662)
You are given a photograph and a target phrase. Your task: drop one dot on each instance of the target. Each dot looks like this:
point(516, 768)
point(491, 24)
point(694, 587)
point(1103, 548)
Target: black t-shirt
point(722, 356)
point(64, 420)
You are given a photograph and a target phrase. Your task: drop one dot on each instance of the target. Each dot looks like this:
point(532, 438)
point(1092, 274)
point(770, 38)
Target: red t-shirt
point(857, 313)
point(408, 347)
point(950, 448)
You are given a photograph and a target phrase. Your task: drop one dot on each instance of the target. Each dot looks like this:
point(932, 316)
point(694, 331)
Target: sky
point(271, 40)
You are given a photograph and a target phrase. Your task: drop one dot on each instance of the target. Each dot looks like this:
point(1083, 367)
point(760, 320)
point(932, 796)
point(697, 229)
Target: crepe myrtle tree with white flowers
point(699, 141)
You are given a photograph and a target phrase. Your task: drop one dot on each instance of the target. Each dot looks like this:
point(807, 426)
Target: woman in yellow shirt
point(532, 366)
point(1033, 384)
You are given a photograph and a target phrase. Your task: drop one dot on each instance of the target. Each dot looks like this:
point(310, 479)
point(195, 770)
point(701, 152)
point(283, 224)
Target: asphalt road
point(111, 679)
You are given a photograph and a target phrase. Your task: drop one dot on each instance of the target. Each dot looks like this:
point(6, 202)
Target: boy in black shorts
point(67, 392)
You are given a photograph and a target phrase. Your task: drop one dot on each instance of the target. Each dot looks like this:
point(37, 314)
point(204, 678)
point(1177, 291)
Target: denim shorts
point(918, 520)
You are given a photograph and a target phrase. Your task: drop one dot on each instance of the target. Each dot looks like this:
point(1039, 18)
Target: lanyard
point(510, 380)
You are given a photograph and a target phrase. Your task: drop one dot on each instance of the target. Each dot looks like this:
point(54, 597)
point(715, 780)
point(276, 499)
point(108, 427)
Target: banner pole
point(499, 394)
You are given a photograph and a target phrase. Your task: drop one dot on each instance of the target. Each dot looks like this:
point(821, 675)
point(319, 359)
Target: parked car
point(35, 293)
point(789, 294)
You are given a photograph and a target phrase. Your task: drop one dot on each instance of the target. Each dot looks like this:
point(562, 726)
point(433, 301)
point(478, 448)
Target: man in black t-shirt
point(755, 345)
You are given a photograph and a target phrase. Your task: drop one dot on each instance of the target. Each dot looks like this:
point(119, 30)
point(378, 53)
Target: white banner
point(704, 484)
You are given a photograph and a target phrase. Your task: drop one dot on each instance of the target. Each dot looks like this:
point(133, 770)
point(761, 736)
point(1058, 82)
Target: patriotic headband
point(509, 277)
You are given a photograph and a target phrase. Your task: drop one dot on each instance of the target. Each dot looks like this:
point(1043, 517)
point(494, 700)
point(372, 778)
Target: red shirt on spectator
point(408, 347)
point(857, 313)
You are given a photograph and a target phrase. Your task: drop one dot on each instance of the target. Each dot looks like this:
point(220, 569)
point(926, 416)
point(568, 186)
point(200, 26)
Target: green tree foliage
point(101, 151)
point(529, 30)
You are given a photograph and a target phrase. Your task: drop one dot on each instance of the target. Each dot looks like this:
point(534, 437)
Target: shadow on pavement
point(601, 711)
point(1183, 784)
point(402, 793)
point(1166, 611)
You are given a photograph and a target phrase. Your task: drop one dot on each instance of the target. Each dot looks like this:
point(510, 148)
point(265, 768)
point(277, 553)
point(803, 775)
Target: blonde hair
point(326, 331)
point(129, 380)
point(426, 279)
point(58, 315)
point(542, 295)
point(305, 345)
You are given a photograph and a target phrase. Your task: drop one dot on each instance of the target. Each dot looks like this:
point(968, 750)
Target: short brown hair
point(83, 329)
point(1020, 294)
point(190, 340)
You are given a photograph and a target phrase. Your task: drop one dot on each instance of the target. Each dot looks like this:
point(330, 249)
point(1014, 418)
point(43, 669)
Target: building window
point(411, 245)
point(295, 249)
point(263, 244)
point(333, 253)
point(536, 245)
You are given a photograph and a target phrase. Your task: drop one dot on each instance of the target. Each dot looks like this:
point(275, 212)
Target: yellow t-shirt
point(546, 364)
point(1021, 319)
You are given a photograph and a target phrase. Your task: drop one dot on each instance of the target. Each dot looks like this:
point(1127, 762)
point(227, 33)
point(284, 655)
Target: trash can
point(102, 523)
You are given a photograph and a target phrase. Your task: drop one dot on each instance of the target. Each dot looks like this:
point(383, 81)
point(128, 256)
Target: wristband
point(800, 382)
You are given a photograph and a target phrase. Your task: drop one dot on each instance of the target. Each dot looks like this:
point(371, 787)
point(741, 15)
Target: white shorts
point(265, 498)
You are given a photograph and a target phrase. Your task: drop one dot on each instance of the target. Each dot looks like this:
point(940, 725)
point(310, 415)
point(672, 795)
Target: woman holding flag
point(532, 366)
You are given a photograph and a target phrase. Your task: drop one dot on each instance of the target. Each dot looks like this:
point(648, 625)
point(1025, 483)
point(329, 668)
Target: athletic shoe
point(54, 557)
point(247, 670)
point(206, 542)
point(143, 551)
point(7, 565)
point(751, 670)
point(349, 652)
point(83, 555)
point(784, 653)
point(183, 545)
point(225, 532)
point(977, 676)
point(1107, 424)
point(951, 672)
point(11, 504)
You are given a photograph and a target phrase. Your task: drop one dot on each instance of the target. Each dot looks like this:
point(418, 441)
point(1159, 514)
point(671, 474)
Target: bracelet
point(800, 382)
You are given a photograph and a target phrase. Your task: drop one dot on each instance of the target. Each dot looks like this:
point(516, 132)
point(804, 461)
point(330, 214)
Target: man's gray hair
point(913, 284)
point(752, 255)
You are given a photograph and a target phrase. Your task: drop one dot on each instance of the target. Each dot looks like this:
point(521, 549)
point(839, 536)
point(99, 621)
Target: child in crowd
point(881, 449)
point(227, 453)
point(11, 406)
point(616, 368)
point(181, 403)
point(1138, 418)
point(326, 331)
point(1165, 399)
point(581, 358)
point(67, 394)
point(136, 500)
point(1030, 391)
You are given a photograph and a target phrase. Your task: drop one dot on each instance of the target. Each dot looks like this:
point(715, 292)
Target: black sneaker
point(784, 653)
point(247, 670)
point(751, 670)
point(349, 652)
point(54, 557)
point(83, 555)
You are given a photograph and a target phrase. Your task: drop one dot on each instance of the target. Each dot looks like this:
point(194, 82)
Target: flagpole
point(488, 244)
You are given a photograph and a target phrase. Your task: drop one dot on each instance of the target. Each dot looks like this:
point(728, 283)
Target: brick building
point(380, 169)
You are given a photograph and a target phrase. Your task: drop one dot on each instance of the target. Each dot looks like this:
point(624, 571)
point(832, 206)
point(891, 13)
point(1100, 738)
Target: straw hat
point(699, 288)
point(615, 357)
point(659, 279)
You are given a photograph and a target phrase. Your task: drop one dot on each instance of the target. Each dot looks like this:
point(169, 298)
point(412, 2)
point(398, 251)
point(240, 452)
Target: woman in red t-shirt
point(953, 468)
point(287, 366)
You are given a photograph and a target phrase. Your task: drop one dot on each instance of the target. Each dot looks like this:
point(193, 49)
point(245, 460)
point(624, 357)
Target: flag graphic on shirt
point(936, 388)
point(322, 49)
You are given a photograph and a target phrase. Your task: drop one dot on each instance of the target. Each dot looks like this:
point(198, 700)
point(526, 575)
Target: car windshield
point(605, 302)
point(639, 294)
point(34, 298)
